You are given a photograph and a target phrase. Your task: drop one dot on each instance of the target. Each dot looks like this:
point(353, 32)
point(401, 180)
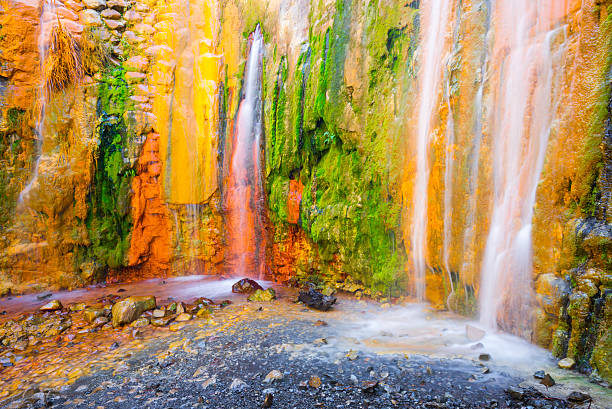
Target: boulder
point(128, 310)
point(317, 300)
point(263, 295)
point(246, 286)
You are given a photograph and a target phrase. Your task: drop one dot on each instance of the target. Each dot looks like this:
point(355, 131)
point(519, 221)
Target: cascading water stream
point(244, 193)
point(524, 41)
point(47, 19)
point(435, 19)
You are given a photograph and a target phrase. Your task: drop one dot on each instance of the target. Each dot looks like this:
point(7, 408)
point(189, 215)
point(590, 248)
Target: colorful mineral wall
point(122, 171)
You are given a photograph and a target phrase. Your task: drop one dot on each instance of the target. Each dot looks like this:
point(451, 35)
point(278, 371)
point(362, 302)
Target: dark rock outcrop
point(317, 300)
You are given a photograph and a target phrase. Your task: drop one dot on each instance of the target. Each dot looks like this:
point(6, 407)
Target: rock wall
point(131, 158)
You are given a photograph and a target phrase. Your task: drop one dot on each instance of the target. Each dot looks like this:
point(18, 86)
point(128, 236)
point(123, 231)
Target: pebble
point(274, 375)
point(52, 306)
point(484, 357)
point(314, 382)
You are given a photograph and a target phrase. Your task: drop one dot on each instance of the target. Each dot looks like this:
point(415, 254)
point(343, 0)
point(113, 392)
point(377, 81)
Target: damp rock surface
point(248, 355)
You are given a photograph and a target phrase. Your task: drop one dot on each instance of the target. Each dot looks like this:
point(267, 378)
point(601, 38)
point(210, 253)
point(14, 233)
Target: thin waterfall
point(47, 20)
point(244, 196)
point(524, 41)
point(448, 183)
point(435, 19)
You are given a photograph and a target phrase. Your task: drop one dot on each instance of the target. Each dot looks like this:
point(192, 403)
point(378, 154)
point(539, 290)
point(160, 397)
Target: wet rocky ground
point(251, 355)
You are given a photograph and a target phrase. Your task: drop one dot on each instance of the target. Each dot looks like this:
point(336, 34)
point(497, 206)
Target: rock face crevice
point(133, 158)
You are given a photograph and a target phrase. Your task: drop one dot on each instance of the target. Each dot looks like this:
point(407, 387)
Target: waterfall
point(523, 100)
point(47, 19)
point(435, 19)
point(244, 192)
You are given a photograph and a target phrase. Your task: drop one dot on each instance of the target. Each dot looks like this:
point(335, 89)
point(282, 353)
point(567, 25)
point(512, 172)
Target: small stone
point(274, 375)
point(477, 346)
point(485, 370)
point(566, 363)
point(183, 317)
point(140, 322)
point(115, 24)
point(180, 308)
point(484, 357)
point(515, 392)
point(267, 400)
point(52, 306)
point(547, 381)
point(21, 345)
point(210, 381)
point(73, 5)
point(94, 4)
point(90, 18)
point(90, 314)
point(118, 5)
point(110, 14)
point(144, 29)
point(539, 374)
point(578, 397)
point(473, 333)
point(237, 385)
point(161, 321)
point(134, 77)
point(320, 341)
point(99, 321)
point(352, 355)
point(159, 313)
point(132, 38)
point(246, 286)
point(203, 312)
point(132, 16)
point(320, 323)
point(314, 382)
point(136, 63)
point(177, 326)
point(142, 7)
point(303, 385)
point(262, 295)
point(369, 386)
point(77, 307)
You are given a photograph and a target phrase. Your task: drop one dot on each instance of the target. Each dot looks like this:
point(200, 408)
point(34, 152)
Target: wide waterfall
point(299, 203)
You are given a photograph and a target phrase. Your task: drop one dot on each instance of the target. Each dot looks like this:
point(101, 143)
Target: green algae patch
point(109, 222)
